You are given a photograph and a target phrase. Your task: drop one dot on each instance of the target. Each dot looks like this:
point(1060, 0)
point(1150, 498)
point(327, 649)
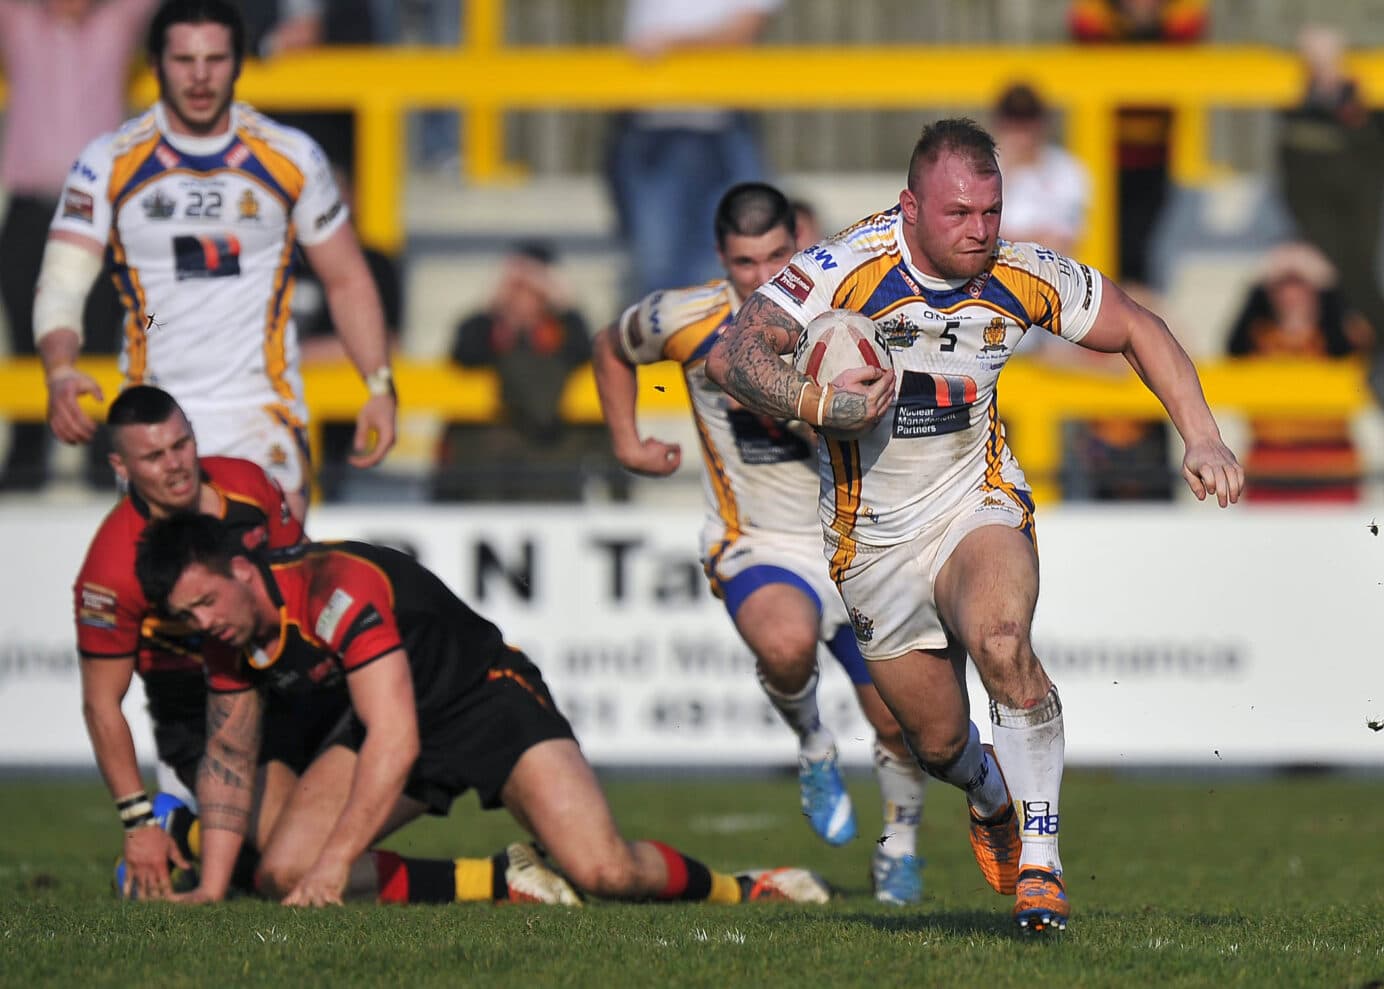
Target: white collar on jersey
point(930, 281)
point(196, 146)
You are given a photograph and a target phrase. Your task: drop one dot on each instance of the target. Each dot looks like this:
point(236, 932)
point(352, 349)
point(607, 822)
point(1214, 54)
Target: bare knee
point(1005, 660)
point(612, 875)
point(276, 879)
point(937, 750)
point(787, 663)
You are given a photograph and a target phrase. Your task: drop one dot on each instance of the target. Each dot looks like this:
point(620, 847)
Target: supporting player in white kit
point(761, 543)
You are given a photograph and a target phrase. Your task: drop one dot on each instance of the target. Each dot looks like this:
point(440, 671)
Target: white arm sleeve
point(66, 276)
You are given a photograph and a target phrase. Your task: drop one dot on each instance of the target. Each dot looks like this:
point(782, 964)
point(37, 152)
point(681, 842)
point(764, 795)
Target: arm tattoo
point(846, 407)
point(225, 817)
point(226, 777)
point(756, 374)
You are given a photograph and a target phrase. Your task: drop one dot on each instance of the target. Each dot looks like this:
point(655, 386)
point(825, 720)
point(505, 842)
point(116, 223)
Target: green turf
point(1205, 882)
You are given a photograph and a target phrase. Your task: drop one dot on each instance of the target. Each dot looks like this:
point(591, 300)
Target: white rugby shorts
point(888, 590)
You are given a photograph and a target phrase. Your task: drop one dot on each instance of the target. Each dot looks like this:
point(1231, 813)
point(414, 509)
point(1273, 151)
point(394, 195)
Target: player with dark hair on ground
point(440, 704)
point(927, 517)
point(761, 542)
point(120, 634)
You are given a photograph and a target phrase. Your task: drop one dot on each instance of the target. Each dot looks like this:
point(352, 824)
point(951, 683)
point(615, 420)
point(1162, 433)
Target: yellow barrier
point(483, 79)
point(1034, 400)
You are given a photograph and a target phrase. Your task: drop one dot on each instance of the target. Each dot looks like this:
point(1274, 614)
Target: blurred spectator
point(436, 133)
point(667, 169)
point(1046, 195)
point(807, 228)
point(1046, 190)
point(1331, 150)
point(1295, 311)
point(319, 344)
point(66, 63)
point(1144, 132)
point(278, 27)
point(533, 339)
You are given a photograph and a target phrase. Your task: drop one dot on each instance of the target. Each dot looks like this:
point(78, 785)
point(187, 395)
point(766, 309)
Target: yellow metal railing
point(1034, 399)
point(483, 79)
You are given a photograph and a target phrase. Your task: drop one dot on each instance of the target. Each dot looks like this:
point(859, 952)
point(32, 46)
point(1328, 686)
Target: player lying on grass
point(439, 705)
point(119, 635)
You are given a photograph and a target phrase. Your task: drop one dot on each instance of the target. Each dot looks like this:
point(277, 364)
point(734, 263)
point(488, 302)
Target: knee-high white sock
point(975, 772)
point(799, 712)
point(1031, 746)
point(901, 786)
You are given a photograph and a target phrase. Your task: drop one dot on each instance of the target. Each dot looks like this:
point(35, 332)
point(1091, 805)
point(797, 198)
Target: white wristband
point(381, 382)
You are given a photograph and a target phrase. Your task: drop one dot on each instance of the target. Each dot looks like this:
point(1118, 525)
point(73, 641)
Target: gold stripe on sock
point(724, 889)
point(475, 880)
point(194, 839)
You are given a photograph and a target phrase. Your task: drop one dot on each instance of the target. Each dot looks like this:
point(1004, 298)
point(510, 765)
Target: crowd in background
point(1317, 296)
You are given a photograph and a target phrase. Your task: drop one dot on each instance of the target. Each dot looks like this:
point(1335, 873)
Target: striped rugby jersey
point(949, 341)
point(200, 236)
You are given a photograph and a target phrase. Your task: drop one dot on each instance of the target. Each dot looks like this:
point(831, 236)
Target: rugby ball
point(839, 340)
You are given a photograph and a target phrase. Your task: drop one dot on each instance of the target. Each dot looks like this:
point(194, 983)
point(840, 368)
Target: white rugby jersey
point(758, 474)
point(200, 234)
point(949, 341)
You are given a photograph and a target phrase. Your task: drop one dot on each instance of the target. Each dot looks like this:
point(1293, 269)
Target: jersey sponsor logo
point(97, 609)
point(237, 156)
point(1090, 287)
point(976, 285)
point(157, 206)
point(206, 257)
point(330, 617)
point(249, 207)
point(792, 281)
point(167, 157)
point(325, 218)
point(933, 404)
point(367, 618)
point(81, 168)
point(78, 205)
point(765, 440)
point(822, 256)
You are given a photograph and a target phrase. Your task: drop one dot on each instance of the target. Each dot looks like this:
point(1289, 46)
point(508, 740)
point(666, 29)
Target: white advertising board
point(1176, 636)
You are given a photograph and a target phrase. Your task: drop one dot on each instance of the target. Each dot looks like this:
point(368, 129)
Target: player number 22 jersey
point(200, 236)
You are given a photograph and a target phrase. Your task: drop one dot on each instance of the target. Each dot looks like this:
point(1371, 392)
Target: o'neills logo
point(794, 282)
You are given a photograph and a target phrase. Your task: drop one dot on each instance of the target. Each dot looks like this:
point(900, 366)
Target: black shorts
point(295, 729)
point(477, 744)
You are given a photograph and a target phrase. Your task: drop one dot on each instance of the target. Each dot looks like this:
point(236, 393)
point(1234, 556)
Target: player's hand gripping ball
point(840, 340)
point(834, 343)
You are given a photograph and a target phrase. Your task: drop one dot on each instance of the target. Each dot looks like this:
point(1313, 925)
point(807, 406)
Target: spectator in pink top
point(65, 63)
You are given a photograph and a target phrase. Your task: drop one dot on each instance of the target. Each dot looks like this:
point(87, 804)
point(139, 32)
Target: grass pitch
point(1189, 881)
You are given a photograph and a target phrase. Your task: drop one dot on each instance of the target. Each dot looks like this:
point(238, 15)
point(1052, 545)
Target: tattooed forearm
point(750, 367)
point(225, 817)
point(226, 777)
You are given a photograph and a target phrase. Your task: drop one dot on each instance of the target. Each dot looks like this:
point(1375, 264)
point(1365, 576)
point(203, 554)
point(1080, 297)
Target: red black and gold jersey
point(344, 605)
point(115, 620)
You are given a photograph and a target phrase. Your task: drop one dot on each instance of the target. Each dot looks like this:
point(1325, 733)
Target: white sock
point(901, 786)
point(975, 772)
point(1031, 745)
point(799, 712)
